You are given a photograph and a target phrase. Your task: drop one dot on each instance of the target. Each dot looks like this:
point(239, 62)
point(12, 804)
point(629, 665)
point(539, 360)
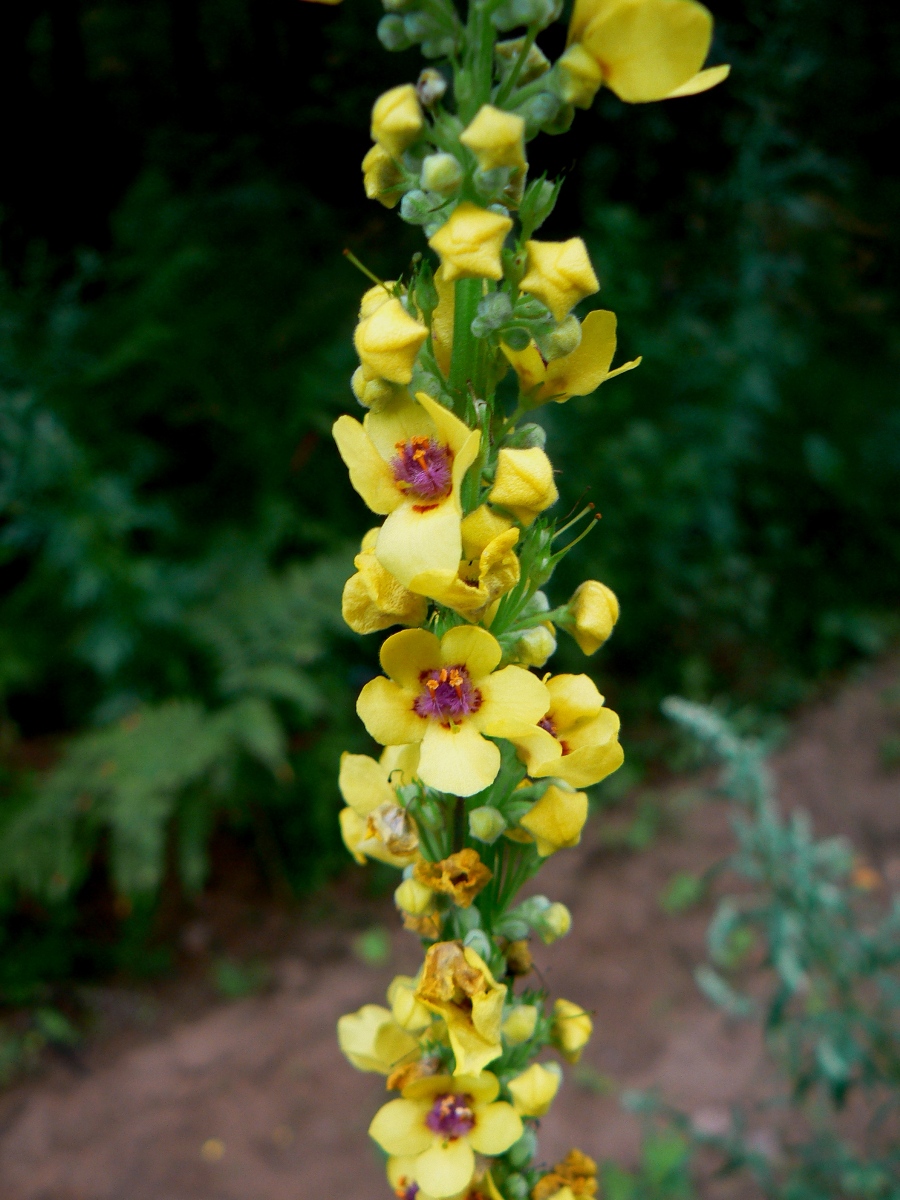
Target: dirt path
point(251, 1100)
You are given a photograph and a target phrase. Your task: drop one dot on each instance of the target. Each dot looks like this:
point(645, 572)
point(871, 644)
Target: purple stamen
point(406, 1189)
point(547, 723)
point(447, 694)
point(451, 1117)
point(423, 468)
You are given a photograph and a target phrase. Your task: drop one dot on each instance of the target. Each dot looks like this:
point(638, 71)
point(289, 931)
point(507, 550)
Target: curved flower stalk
point(486, 755)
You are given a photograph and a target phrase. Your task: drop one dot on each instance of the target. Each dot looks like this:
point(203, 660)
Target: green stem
point(464, 361)
point(513, 77)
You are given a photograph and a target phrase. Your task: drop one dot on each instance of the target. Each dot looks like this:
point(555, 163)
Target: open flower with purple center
point(439, 1124)
point(408, 461)
point(444, 695)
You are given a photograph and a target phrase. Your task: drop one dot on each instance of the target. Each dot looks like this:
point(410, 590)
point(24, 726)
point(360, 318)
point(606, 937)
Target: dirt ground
point(183, 1097)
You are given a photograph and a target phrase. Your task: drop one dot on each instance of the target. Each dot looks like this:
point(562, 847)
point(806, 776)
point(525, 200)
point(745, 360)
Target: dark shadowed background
point(178, 181)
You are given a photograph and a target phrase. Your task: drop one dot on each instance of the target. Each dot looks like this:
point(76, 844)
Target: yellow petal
point(701, 82)
point(388, 341)
point(370, 475)
point(373, 1041)
point(510, 700)
point(405, 655)
point(528, 365)
point(475, 648)
point(649, 48)
point(381, 175)
point(582, 371)
point(556, 821)
point(353, 831)
point(397, 119)
point(399, 1127)
point(371, 602)
point(580, 77)
point(445, 1168)
point(398, 420)
point(457, 760)
point(363, 784)
point(573, 698)
point(480, 528)
point(451, 430)
point(399, 764)
point(442, 321)
point(520, 1024)
point(497, 1127)
point(416, 538)
point(585, 767)
point(585, 11)
point(387, 713)
point(539, 751)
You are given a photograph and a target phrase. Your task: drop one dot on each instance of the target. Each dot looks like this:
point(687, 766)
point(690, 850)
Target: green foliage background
point(175, 322)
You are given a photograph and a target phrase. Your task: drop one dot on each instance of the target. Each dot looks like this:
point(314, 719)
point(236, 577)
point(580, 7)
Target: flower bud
point(527, 437)
point(507, 55)
point(418, 207)
point(414, 898)
point(397, 119)
point(520, 1024)
point(494, 310)
point(478, 940)
point(535, 646)
point(562, 340)
point(441, 173)
point(372, 392)
point(538, 111)
point(517, 338)
point(533, 1090)
point(537, 204)
point(420, 26)
point(591, 614)
point(514, 13)
point(555, 923)
point(486, 823)
point(578, 76)
point(381, 177)
point(572, 1029)
point(516, 1186)
point(559, 274)
point(523, 1151)
point(391, 32)
point(388, 341)
point(496, 138)
point(430, 86)
point(524, 483)
point(438, 47)
point(469, 244)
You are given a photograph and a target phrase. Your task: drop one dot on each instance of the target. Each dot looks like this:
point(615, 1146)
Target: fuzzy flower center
point(451, 1116)
point(447, 694)
point(423, 468)
point(550, 725)
point(406, 1189)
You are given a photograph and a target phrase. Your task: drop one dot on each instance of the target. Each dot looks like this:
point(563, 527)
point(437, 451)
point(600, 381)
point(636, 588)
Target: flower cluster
point(485, 755)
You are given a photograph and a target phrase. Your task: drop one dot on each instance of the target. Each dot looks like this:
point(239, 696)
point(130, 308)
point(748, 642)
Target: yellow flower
point(524, 483)
point(373, 1041)
point(373, 823)
point(556, 821)
point(408, 461)
point(572, 1029)
point(440, 1123)
point(480, 580)
point(647, 49)
point(462, 876)
point(409, 1013)
point(387, 341)
point(381, 176)
point(533, 1090)
point(535, 645)
point(556, 922)
point(578, 738)
point(469, 244)
point(579, 75)
point(559, 274)
point(520, 1024)
point(496, 138)
point(444, 695)
point(458, 986)
point(373, 599)
point(575, 374)
point(592, 613)
point(397, 119)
